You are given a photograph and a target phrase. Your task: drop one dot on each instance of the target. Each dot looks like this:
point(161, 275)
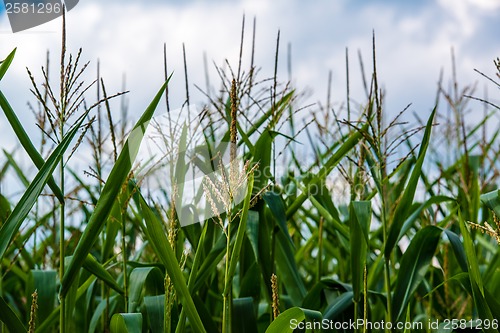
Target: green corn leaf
point(483, 309)
point(262, 155)
point(289, 320)
point(492, 201)
point(161, 245)
point(240, 235)
point(144, 281)
point(285, 259)
point(407, 320)
point(54, 316)
point(71, 298)
point(337, 307)
point(44, 282)
point(5, 212)
point(474, 192)
point(277, 207)
point(155, 310)
point(194, 273)
point(339, 227)
point(461, 278)
point(126, 323)
point(113, 226)
point(93, 266)
point(464, 280)
point(110, 192)
point(100, 310)
point(414, 216)
point(472, 262)
point(210, 263)
point(28, 146)
point(329, 165)
point(9, 317)
point(493, 283)
point(4, 209)
point(491, 299)
point(250, 283)
point(208, 321)
point(315, 297)
point(458, 249)
point(359, 220)
point(17, 271)
point(4, 66)
point(243, 313)
point(288, 270)
point(413, 267)
point(403, 208)
point(476, 281)
point(20, 174)
point(252, 231)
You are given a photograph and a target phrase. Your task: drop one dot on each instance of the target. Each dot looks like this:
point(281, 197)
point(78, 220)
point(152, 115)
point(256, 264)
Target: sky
point(413, 43)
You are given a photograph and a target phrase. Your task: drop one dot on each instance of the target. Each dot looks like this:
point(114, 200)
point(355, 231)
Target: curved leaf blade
point(28, 146)
point(126, 323)
point(93, 266)
point(244, 320)
point(44, 282)
point(9, 317)
point(402, 209)
point(142, 279)
point(155, 306)
point(109, 193)
point(29, 198)
point(476, 282)
point(414, 265)
point(161, 245)
point(5, 64)
point(360, 218)
point(287, 321)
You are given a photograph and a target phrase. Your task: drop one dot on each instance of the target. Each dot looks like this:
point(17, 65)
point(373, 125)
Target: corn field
point(298, 218)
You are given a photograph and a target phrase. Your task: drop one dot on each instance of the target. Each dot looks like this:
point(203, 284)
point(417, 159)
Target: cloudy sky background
point(414, 39)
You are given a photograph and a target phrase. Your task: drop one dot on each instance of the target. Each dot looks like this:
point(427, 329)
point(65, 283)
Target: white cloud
point(486, 5)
